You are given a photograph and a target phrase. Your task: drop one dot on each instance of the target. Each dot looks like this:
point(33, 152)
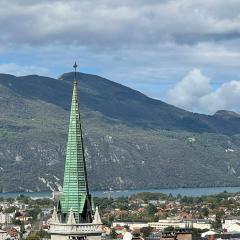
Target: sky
point(184, 52)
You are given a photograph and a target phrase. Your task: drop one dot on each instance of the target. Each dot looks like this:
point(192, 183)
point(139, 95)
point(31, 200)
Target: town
point(145, 215)
point(132, 97)
point(75, 214)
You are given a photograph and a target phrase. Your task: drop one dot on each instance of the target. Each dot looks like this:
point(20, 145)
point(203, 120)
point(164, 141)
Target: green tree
point(10, 210)
point(205, 212)
point(16, 222)
point(38, 235)
point(136, 233)
point(170, 197)
point(179, 196)
point(145, 231)
point(34, 213)
point(113, 233)
point(151, 209)
point(169, 229)
point(24, 199)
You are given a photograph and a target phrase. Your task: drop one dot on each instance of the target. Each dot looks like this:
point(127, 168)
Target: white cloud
point(152, 39)
point(187, 92)
point(111, 24)
point(194, 92)
point(227, 96)
point(15, 69)
point(137, 43)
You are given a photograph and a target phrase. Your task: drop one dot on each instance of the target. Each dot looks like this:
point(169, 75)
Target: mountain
point(132, 141)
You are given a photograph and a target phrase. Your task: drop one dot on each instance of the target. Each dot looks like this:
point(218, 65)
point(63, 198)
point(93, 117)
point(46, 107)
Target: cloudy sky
point(185, 52)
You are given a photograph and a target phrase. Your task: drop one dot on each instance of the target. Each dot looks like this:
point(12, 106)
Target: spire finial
point(75, 71)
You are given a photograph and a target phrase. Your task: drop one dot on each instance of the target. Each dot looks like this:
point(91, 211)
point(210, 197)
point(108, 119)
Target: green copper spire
point(75, 194)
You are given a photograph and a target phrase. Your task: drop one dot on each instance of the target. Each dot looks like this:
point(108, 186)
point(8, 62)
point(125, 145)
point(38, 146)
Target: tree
point(113, 233)
point(38, 235)
point(169, 229)
point(136, 233)
point(151, 209)
point(16, 222)
point(205, 212)
point(34, 213)
point(122, 203)
point(174, 211)
point(10, 210)
point(179, 196)
point(187, 200)
point(24, 199)
point(170, 197)
point(145, 231)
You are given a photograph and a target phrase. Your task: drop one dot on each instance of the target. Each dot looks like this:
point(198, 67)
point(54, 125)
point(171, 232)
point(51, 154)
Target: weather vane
point(75, 73)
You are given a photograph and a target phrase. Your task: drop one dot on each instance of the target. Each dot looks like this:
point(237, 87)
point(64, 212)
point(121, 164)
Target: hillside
point(132, 141)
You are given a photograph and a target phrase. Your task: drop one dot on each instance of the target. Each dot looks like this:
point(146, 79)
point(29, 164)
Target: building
point(3, 235)
point(177, 235)
point(5, 205)
point(75, 216)
point(12, 232)
point(235, 227)
point(179, 223)
point(231, 224)
point(201, 224)
point(21, 206)
point(163, 223)
point(131, 225)
point(6, 218)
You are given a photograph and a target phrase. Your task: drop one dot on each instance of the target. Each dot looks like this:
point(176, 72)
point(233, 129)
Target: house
point(179, 223)
point(12, 232)
point(3, 235)
point(201, 224)
point(163, 223)
point(179, 235)
point(230, 223)
point(235, 227)
point(131, 225)
point(6, 218)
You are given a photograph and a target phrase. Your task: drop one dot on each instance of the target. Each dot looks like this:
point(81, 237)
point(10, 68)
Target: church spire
point(75, 194)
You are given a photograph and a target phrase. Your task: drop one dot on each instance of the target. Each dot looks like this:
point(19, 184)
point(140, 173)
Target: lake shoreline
point(126, 193)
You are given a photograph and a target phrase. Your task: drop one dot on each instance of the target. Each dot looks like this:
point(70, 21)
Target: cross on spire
point(75, 70)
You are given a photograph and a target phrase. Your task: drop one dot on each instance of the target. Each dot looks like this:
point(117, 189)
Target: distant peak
point(227, 114)
point(68, 76)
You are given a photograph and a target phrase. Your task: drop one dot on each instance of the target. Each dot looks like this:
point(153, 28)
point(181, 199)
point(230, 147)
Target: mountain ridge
point(132, 141)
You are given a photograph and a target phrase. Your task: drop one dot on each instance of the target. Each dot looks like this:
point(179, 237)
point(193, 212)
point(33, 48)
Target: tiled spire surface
point(75, 187)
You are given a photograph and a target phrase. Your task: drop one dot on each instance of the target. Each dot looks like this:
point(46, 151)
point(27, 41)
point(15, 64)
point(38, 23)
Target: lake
point(174, 191)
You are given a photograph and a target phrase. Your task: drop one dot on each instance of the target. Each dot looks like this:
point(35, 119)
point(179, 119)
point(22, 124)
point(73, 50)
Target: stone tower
point(75, 216)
